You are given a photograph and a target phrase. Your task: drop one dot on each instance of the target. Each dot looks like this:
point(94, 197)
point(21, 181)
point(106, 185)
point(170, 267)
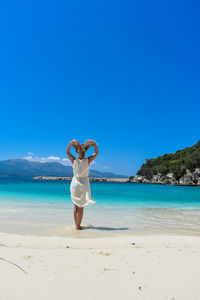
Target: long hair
point(81, 148)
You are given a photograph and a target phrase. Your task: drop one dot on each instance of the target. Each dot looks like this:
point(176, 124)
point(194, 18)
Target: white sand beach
point(153, 267)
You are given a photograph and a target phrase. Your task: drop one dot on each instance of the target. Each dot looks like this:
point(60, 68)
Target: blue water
point(45, 207)
point(105, 194)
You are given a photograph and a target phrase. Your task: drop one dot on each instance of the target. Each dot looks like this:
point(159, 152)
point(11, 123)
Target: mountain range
point(26, 169)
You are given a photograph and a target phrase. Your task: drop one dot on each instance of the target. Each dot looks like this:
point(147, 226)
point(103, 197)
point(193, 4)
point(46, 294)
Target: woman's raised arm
point(71, 157)
point(93, 156)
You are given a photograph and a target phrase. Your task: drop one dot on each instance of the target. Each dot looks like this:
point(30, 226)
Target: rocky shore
point(90, 178)
point(190, 178)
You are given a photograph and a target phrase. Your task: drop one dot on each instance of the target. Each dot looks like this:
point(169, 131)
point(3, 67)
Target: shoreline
point(146, 267)
point(90, 178)
point(120, 180)
point(79, 236)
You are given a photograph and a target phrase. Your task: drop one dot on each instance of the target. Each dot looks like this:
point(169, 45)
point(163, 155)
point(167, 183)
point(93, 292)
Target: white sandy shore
point(129, 267)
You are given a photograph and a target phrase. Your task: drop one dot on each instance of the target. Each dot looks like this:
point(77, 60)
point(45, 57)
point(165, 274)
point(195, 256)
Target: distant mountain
point(24, 168)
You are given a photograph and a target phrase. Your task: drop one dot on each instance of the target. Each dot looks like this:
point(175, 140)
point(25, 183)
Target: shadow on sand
point(103, 228)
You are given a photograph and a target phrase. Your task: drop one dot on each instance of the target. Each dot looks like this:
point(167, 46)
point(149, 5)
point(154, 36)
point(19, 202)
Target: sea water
point(45, 208)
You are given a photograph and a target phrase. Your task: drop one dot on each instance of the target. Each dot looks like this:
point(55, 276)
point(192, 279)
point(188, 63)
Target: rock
point(157, 178)
point(170, 178)
point(138, 178)
point(196, 176)
point(146, 180)
point(170, 175)
point(187, 179)
point(167, 181)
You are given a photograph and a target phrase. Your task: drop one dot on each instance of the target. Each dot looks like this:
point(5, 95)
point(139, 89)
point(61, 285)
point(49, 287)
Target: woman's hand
point(91, 142)
point(74, 142)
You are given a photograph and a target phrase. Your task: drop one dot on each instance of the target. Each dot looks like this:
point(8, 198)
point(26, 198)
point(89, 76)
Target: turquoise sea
point(45, 208)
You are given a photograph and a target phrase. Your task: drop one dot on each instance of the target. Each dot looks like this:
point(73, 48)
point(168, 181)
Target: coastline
point(138, 179)
point(152, 267)
point(90, 178)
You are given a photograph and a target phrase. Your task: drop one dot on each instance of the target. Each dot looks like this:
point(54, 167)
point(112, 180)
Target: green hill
point(176, 163)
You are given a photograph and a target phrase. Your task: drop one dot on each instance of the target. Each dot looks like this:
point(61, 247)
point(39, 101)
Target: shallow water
point(45, 208)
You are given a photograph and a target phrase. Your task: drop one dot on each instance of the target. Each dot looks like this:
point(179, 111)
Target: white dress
point(80, 185)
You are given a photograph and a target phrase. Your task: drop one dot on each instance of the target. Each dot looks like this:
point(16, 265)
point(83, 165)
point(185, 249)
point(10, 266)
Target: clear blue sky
point(124, 73)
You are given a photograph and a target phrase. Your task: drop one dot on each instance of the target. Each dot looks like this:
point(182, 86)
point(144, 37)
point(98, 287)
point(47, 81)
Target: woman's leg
point(79, 217)
point(75, 213)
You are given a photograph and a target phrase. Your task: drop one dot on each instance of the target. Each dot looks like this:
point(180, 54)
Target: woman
point(80, 186)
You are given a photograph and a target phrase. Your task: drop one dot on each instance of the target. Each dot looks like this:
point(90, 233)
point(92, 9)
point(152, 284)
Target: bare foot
point(79, 228)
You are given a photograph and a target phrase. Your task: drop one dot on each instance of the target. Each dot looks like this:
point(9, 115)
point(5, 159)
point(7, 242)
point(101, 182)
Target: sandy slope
point(153, 268)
